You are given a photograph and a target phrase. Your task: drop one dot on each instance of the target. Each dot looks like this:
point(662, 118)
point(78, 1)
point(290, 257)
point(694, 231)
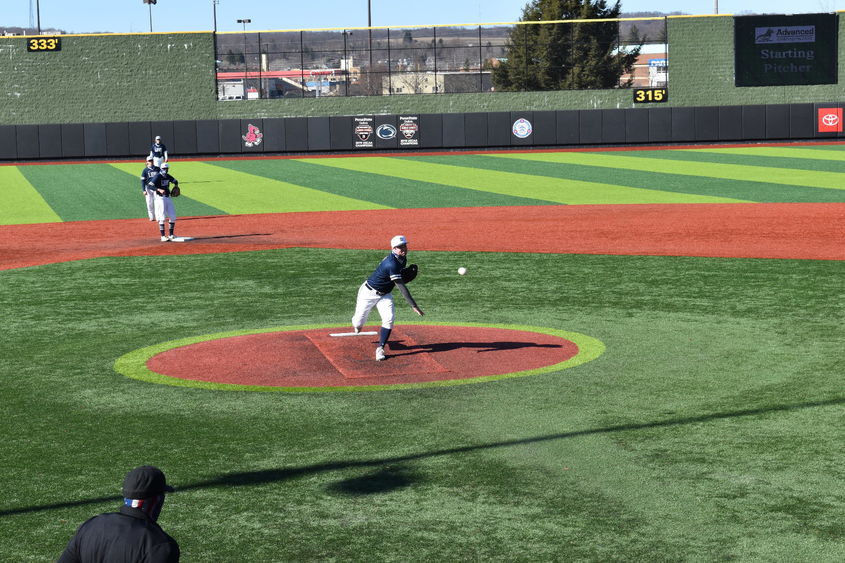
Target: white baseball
point(462, 270)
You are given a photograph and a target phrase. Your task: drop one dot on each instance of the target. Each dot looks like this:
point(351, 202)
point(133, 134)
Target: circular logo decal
point(386, 131)
point(522, 128)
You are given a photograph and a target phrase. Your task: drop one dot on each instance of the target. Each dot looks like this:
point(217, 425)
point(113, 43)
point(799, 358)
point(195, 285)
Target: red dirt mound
point(312, 358)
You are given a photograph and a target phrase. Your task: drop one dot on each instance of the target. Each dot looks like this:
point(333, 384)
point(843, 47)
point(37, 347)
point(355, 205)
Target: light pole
point(245, 21)
point(370, 30)
point(150, 4)
point(214, 4)
point(38, 14)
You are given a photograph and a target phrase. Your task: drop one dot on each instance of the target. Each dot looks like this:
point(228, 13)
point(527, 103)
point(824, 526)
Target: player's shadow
point(408, 350)
point(232, 236)
point(383, 480)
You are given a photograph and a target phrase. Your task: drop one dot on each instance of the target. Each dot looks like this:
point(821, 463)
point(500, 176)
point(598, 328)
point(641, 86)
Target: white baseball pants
point(367, 299)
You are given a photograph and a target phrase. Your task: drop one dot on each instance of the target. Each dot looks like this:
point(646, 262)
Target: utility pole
point(245, 21)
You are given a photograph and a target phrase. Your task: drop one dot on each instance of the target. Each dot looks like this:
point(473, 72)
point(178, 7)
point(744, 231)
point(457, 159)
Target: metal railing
point(396, 61)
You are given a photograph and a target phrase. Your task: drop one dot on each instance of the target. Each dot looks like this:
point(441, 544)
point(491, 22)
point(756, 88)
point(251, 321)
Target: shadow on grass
point(447, 346)
point(386, 478)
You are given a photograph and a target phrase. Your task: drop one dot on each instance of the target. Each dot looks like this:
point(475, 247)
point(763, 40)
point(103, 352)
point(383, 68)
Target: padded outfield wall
point(170, 76)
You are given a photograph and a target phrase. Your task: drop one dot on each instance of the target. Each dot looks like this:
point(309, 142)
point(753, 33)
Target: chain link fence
point(412, 60)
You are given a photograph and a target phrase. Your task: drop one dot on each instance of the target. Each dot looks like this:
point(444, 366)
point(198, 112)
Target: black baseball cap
point(145, 482)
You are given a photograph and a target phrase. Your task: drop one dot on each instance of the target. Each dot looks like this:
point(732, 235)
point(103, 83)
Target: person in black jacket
point(131, 535)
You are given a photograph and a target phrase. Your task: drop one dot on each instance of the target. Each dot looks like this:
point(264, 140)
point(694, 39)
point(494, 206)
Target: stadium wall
point(100, 79)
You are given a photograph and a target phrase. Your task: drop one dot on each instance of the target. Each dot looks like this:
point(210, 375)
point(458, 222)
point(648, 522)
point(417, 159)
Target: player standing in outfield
point(161, 185)
point(376, 291)
point(158, 151)
point(149, 194)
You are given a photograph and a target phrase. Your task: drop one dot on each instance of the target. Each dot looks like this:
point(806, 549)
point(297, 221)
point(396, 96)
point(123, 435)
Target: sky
point(133, 16)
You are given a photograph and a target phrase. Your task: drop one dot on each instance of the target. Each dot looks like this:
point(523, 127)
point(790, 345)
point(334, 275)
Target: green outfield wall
point(170, 76)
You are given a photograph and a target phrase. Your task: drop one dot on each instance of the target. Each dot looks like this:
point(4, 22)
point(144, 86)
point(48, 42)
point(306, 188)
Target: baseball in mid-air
point(462, 270)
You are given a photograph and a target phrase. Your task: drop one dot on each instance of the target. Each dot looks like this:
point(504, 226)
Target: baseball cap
point(158, 138)
point(145, 482)
point(398, 240)
point(149, 159)
point(165, 165)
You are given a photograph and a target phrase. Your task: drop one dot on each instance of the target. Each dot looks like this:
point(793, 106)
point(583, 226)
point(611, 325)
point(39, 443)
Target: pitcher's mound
point(312, 358)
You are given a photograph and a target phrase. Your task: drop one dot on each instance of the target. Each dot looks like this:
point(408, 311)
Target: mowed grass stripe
point(716, 187)
point(236, 192)
point(773, 161)
point(87, 192)
point(556, 190)
point(382, 190)
point(654, 163)
point(185, 205)
point(826, 152)
point(21, 201)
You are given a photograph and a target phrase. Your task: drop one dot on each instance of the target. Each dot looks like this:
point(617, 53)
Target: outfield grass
point(709, 430)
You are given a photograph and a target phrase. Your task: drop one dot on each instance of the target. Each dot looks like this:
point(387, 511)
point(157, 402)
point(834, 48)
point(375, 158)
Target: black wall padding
point(95, 139)
point(544, 128)
point(801, 122)
point(140, 139)
point(589, 130)
point(777, 122)
point(431, 130)
point(683, 125)
point(274, 135)
point(659, 125)
point(730, 123)
point(73, 140)
point(27, 141)
point(296, 134)
point(50, 141)
point(612, 126)
point(8, 142)
point(706, 123)
point(208, 136)
point(568, 127)
point(230, 136)
point(636, 125)
point(498, 129)
point(117, 139)
point(319, 134)
point(184, 139)
point(753, 122)
point(454, 131)
point(475, 130)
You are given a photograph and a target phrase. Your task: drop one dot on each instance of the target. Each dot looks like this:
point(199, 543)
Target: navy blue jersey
point(388, 272)
point(157, 150)
point(161, 183)
point(146, 175)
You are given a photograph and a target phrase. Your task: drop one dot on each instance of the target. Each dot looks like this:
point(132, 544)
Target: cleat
point(380, 354)
point(164, 239)
point(171, 237)
point(357, 329)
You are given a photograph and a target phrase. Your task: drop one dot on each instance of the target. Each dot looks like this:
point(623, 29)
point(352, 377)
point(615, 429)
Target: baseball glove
point(409, 273)
point(175, 192)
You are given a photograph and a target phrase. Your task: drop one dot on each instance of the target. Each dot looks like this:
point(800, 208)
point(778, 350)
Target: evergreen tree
point(565, 56)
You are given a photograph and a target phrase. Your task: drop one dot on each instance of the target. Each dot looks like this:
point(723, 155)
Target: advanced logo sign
point(830, 120)
point(785, 50)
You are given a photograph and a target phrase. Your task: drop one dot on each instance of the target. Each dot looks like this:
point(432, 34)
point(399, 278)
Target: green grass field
point(711, 428)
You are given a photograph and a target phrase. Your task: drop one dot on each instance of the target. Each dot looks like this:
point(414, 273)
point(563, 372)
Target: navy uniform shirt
point(388, 272)
point(126, 536)
point(157, 150)
point(147, 175)
point(162, 181)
